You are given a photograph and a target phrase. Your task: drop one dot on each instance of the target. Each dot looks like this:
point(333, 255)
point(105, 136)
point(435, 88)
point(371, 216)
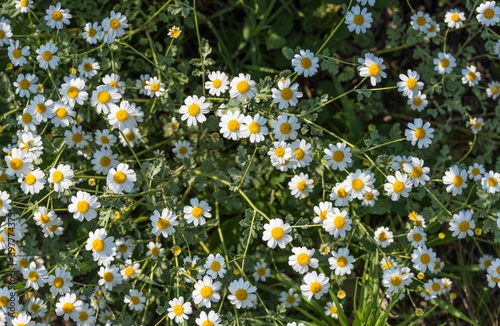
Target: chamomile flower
point(53, 228)
point(394, 279)
point(420, 21)
point(103, 247)
point(69, 306)
point(370, 198)
point(218, 83)
point(331, 309)
point(359, 183)
point(130, 270)
point(476, 124)
point(197, 212)
point(409, 85)
point(438, 266)
point(19, 163)
point(155, 250)
point(419, 102)
point(16, 55)
point(88, 68)
point(305, 63)
point(423, 258)
point(398, 185)
point(60, 282)
point(340, 195)
point(314, 285)
point(321, 210)
point(141, 84)
point(62, 114)
point(286, 95)
point(130, 136)
point(57, 17)
point(61, 177)
point(419, 133)
point(242, 294)
point(24, 6)
point(289, 299)
point(490, 182)
point(46, 56)
point(26, 85)
point(104, 138)
point(121, 179)
point(417, 237)
point(115, 24)
point(302, 259)
point(337, 223)
point(40, 108)
point(488, 13)
point(85, 316)
point(76, 137)
point(33, 182)
point(300, 185)
point(36, 307)
point(124, 248)
point(92, 32)
point(338, 156)
point(387, 263)
point(280, 152)
point(435, 286)
point(434, 29)
point(27, 121)
point(231, 125)
point(154, 87)
point(373, 67)
point(454, 18)
point(383, 236)
point(255, 128)
point(485, 261)
point(163, 223)
point(35, 276)
point(462, 224)
point(210, 319)
point(444, 63)
point(341, 262)
point(493, 90)
point(122, 117)
point(105, 97)
point(471, 76)
point(242, 87)
point(135, 300)
point(84, 206)
point(285, 127)
point(174, 32)
point(110, 277)
point(261, 272)
point(418, 172)
point(455, 179)
point(74, 92)
point(215, 266)
point(301, 152)
point(104, 160)
point(5, 33)
point(358, 20)
point(277, 233)
point(44, 217)
point(194, 110)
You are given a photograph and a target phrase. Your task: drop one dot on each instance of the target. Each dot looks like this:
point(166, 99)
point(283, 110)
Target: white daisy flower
point(76, 137)
point(420, 21)
point(174, 32)
point(61, 177)
point(409, 85)
point(286, 95)
point(434, 29)
point(88, 68)
point(103, 247)
point(5, 33)
point(302, 259)
point(62, 114)
point(92, 32)
point(113, 80)
point(60, 282)
point(394, 279)
point(337, 223)
point(35, 276)
point(54, 228)
point(488, 13)
point(435, 286)
point(83, 205)
point(419, 133)
point(231, 125)
point(19, 163)
point(370, 198)
point(454, 18)
point(194, 110)
point(314, 285)
point(130, 270)
point(27, 121)
point(33, 182)
point(135, 300)
point(121, 117)
point(40, 108)
point(154, 87)
point(358, 20)
point(110, 277)
point(400, 161)
point(218, 83)
point(301, 152)
point(383, 236)
point(280, 152)
point(25, 85)
point(331, 309)
point(417, 237)
point(261, 272)
point(305, 63)
point(285, 127)
point(341, 262)
point(338, 156)
point(419, 102)
point(493, 90)
point(254, 128)
point(490, 182)
point(373, 67)
point(476, 124)
point(174, 125)
point(476, 171)
point(163, 224)
point(121, 179)
point(485, 261)
point(21, 319)
point(462, 224)
point(46, 56)
point(115, 24)
point(43, 217)
point(321, 210)
point(417, 170)
point(124, 248)
point(242, 87)
point(24, 6)
point(438, 266)
point(155, 250)
point(359, 183)
point(197, 212)
point(242, 294)
point(183, 149)
point(104, 160)
point(104, 138)
point(340, 195)
point(471, 76)
point(455, 179)
point(423, 258)
point(289, 299)
point(445, 63)
point(105, 97)
point(18, 56)
point(277, 233)
point(210, 319)
point(387, 263)
point(398, 185)
point(132, 137)
point(57, 17)
point(85, 316)
point(215, 266)
point(300, 185)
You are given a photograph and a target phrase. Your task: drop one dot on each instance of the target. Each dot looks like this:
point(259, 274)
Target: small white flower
point(83, 205)
point(341, 262)
point(409, 85)
point(471, 76)
point(154, 87)
point(218, 83)
point(88, 68)
point(419, 102)
point(18, 56)
point(338, 156)
point(135, 300)
point(285, 127)
point(445, 63)
point(242, 87)
point(121, 179)
point(183, 149)
point(419, 133)
point(420, 21)
point(314, 285)
point(340, 195)
point(56, 17)
point(277, 233)
point(423, 258)
point(358, 20)
point(61, 177)
point(26, 85)
point(110, 277)
point(454, 18)
point(488, 13)
point(194, 110)
point(383, 236)
point(337, 223)
point(255, 128)
point(373, 67)
point(455, 179)
point(69, 306)
point(242, 294)
point(300, 185)
point(302, 259)
point(103, 247)
point(115, 24)
point(261, 272)
point(286, 95)
point(46, 56)
point(197, 212)
point(92, 32)
point(231, 125)
point(490, 182)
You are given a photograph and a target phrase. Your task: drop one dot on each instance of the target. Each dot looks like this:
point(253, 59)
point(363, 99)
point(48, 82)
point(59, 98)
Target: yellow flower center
point(421, 21)
point(339, 222)
point(92, 32)
point(254, 127)
point(417, 101)
point(174, 125)
point(492, 182)
point(315, 287)
point(387, 265)
point(382, 237)
point(194, 109)
point(24, 84)
point(374, 70)
point(122, 115)
point(47, 56)
point(277, 233)
point(130, 136)
point(76, 138)
point(114, 24)
point(217, 83)
point(61, 113)
point(82, 207)
point(458, 181)
point(44, 219)
point(464, 226)
point(398, 186)
point(303, 259)
point(68, 308)
point(425, 258)
point(215, 266)
point(155, 251)
point(306, 63)
point(290, 299)
point(436, 287)
point(57, 176)
point(24, 3)
point(357, 184)
point(57, 15)
point(16, 53)
point(359, 19)
point(233, 125)
point(444, 63)
point(322, 215)
point(286, 94)
point(420, 133)
point(197, 211)
point(396, 280)
point(155, 87)
point(16, 164)
point(431, 29)
point(178, 310)
point(471, 75)
point(338, 156)
point(207, 323)
point(33, 276)
point(98, 245)
point(241, 294)
point(333, 310)
point(285, 128)
point(4, 301)
point(280, 152)
point(119, 177)
point(369, 196)
point(342, 261)
point(162, 223)
point(489, 13)
point(129, 271)
point(261, 271)
point(103, 97)
point(26, 118)
point(411, 83)
point(417, 237)
point(299, 154)
point(83, 316)
point(105, 161)
point(494, 89)
point(122, 248)
point(88, 67)
point(58, 282)
point(242, 86)
point(108, 277)
point(2, 33)
point(341, 193)
point(40, 108)
point(302, 185)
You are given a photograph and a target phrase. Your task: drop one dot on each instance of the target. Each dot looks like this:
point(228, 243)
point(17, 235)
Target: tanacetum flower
point(122, 179)
point(103, 247)
point(300, 185)
point(488, 13)
point(242, 294)
point(373, 67)
point(286, 95)
point(341, 262)
point(26, 85)
point(338, 156)
point(18, 56)
point(398, 185)
point(242, 87)
point(277, 233)
point(305, 63)
point(419, 133)
point(57, 17)
point(454, 18)
point(420, 21)
point(289, 299)
point(83, 205)
point(314, 285)
point(337, 223)
point(462, 224)
point(218, 83)
point(254, 128)
point(302, 259)
point(444, 63)
point(358, 20)
point(490, 182)
point(286, 127)
point(46, 56)
point(471, 76)
point(409, 85)
point(194, 110)
point(455, 179)
point(69, 306)
point(197, 212)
